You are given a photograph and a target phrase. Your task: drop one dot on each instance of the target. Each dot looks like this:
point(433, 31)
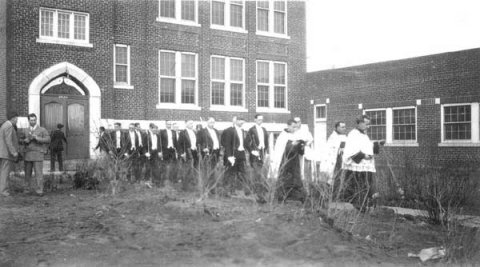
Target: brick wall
point(134, 23)
point(3, 60)
point(452, 77)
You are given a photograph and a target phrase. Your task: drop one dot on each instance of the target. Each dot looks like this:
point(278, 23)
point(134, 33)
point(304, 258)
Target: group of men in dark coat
point(149, 148)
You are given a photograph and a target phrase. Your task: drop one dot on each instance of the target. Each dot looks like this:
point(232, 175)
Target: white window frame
point(388, 118)
point(271, 20)
point(71, 40)
point(389, 126)
point(474, 124)
point(178, 15)
point(121, 85)
point(315, 113)
point(227, 26)
point(178, 83)
point(271, 88)
point(228, 82)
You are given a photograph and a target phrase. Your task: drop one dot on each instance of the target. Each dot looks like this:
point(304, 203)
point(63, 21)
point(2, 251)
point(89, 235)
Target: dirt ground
point(163, 227)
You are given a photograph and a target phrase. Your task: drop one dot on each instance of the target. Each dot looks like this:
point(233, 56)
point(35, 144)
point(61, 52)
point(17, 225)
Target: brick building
point(88, 63)
point(426, 108)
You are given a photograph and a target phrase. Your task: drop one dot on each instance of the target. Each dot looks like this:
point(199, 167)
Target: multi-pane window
point(121, 55)
point(228, 13)
point(404, 124)
point(321, 112)
point(378, 124)
point(179, 11)
point(64, 26)
point(271, 85)
point(178, 77)
point(228, 83)
point(457, 122)
point(272, 16)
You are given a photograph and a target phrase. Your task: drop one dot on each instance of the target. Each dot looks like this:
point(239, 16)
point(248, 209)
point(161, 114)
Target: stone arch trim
point(94, 94)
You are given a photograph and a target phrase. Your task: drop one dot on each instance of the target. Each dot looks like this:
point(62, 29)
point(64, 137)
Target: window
point(320, 112)
point(378, 124)
point(404, 124)
point(178, 79)
point(228, 82)
point(271, 85)
point(272, 17)
point(121, 73)
point(397, 126)
point(228, 15)
point(64, 27)
point(179, 11)
point(457, 122)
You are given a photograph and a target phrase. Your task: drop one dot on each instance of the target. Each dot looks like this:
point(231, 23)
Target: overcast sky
point(344, 33)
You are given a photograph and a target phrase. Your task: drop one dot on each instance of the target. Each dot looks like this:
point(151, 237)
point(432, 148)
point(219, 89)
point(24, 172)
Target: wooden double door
point(72, 112)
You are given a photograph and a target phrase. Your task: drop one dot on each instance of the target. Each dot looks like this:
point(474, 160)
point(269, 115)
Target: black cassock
point(290, 178)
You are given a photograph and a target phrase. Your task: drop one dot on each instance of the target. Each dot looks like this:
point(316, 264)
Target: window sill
point(273, 110)
point(459, 144)
point(228, 108)
point(178, 106)
point(227, 28)
point(63, 42)
point(402, 144)
point(123, 86)
point(275, 35)
point(180, 22)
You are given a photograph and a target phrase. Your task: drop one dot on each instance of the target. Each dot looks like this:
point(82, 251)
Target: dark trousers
point(357, 188)
point(54, 154)
point(212, 157)
point(152, 166)
point(234, 177)
point(169, 155)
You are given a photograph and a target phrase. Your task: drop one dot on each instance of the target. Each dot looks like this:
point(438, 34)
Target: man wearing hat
point(56, 147)
point(8, 150)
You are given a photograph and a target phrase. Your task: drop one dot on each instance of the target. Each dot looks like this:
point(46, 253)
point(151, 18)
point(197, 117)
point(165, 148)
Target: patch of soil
point(163, 227)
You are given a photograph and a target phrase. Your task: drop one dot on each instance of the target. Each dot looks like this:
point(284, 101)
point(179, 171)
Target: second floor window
point(272, 16)
point(64, 26)
point(121, 74)
point(180, 11)
point(227, 81)
point(228, 13)
point(178, 77)
point(271, 85)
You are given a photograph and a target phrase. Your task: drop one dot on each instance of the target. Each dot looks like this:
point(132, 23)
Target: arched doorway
point(66, 94)
point(64, 101)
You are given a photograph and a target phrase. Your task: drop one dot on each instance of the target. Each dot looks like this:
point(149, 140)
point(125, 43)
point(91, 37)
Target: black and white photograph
point(239, 133)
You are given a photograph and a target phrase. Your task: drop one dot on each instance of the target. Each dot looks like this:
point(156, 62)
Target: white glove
point(255, 153)
point(147, 154)
point(231, 160)
point(160, 155)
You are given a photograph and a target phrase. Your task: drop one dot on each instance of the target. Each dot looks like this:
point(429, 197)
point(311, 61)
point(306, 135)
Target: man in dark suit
point(119, 141)
point(104, 141)
point(141, 160)
point(57, 138)
point(153, 153)
point(169, 143)
point(234, 157)
point(257, 143)
point(187, 144)
point(209, 142)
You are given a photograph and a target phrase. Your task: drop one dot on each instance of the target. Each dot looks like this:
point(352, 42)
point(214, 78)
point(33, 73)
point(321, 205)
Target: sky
point(343, 33)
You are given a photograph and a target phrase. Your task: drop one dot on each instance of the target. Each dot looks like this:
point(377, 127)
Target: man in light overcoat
point(8, 150)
